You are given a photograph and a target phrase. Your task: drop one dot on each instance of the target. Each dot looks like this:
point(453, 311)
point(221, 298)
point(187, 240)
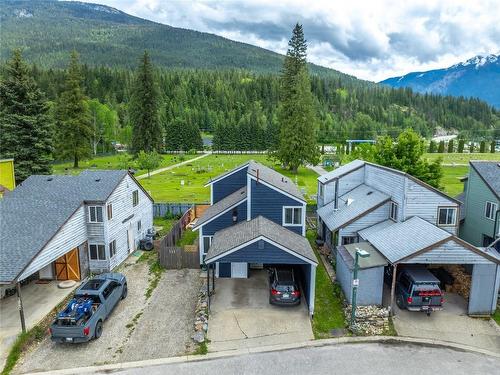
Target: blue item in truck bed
point(78, 308)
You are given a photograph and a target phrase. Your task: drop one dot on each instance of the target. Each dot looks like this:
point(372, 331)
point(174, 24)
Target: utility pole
point(355, 283)
point(20, 306)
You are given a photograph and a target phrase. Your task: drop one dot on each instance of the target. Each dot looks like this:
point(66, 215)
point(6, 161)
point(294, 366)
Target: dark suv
point(283, 290)
point(417, 289)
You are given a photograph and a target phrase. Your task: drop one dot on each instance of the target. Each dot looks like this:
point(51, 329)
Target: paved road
point(161, 170)
point(364, 359)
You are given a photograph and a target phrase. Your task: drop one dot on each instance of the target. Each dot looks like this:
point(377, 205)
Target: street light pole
point(355, 282)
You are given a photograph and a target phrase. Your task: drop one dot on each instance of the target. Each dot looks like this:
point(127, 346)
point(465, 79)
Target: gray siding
point(350, 181)
point(229, 184)
point(269, 203)
point(390, 183)
point(225, 220)
point(376, 216)
point(270, 254)
point(450, 252)
point(482, 300)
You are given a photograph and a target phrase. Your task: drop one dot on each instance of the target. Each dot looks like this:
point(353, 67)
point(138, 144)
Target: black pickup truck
point(92, 303)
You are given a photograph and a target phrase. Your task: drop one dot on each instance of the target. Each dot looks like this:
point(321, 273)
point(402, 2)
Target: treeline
point(223, 102)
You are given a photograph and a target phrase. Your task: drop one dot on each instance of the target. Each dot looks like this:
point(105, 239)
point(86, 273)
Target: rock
point(199, 337)
point(205, 327)
point(198, 327)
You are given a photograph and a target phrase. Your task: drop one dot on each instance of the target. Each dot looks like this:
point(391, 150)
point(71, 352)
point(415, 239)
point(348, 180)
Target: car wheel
point(399, 302)
point(124, 291)
point(98, 330)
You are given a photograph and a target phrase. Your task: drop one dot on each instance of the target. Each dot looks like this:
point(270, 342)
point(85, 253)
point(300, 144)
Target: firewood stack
point(462, 281)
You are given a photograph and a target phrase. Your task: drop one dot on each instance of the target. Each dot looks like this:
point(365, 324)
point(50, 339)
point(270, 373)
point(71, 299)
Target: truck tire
point(399, 302)
point(124, 291)
point(98, 330)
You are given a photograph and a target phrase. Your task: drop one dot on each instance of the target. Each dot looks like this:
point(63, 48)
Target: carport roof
point(247, 232)
point(351, 206)
point(348, 252)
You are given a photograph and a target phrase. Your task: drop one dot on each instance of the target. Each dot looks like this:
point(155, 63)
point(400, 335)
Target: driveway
point(241, 316)
point(137, 329)
point(451, 324)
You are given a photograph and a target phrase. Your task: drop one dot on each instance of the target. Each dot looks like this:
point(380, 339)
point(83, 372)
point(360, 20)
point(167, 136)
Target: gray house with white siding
point(63, 227)
point(394, 215)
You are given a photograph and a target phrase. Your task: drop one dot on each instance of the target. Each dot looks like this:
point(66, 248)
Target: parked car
point(417, 289)
point(83, 317)
point(283, 289)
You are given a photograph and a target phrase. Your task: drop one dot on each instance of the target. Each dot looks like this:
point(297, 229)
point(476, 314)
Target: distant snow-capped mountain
point(477, 77)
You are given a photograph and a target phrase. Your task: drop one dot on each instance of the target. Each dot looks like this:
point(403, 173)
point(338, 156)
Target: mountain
point(48, 30)
point(477, 77)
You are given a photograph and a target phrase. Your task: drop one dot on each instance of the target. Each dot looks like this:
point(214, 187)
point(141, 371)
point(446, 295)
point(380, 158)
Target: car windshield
point(426, 290)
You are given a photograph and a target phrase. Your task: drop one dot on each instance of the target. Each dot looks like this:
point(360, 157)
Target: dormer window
point(394, 211)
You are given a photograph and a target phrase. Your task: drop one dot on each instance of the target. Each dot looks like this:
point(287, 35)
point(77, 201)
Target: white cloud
point(369, 39)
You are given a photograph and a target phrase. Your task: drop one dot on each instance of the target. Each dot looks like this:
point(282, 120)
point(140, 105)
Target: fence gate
point(174, 257)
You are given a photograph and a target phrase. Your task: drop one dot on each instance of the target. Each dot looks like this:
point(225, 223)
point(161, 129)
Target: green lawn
point(451, 179)
point(166, 225)
point(462, 158)
point(112, 162)
point(188, 238)
point(496, 316)
point(186, 183)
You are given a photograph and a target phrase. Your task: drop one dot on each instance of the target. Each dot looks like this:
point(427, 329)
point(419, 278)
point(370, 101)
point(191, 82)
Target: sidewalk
point(161, 170)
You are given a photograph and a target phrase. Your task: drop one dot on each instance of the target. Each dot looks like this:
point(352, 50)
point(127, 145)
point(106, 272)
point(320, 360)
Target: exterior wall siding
point(72, 234)
point(476, 224)
point(229, 184)
point(450, 252)
point(270, 254)
point(225, 220)
point(376, 216)
point(350, 181)
point(390, 183)
point(482, 299)
point(269, 203)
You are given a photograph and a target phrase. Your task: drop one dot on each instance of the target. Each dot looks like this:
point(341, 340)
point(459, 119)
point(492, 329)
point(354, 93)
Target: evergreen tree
point(144, 110)
point(482, 147)
point(297, 117)
point(74, 129)
point(450, 147)
point(492, 147)
point(432, 147)
point(461, 145)
point(25, 130)
point(441, 147)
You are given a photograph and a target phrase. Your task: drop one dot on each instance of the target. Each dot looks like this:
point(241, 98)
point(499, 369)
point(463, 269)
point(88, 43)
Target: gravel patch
point(160, 326)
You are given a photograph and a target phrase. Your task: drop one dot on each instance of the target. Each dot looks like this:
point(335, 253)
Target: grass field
point(451, 179)
point(111, 162)
point(186, 183)
point(462, 158)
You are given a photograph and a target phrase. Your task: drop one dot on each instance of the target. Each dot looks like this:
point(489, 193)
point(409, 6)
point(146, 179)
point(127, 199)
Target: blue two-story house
point(257, 218)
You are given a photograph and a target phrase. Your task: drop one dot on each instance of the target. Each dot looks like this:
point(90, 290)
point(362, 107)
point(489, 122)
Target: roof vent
point(349, 201)
point(97, 179)
point(369, 193)
point(50, 178)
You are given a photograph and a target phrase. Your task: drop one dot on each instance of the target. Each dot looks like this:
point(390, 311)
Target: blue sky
point(372, 40)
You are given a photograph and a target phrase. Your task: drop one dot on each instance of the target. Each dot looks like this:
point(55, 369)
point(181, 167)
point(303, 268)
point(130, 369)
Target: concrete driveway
point(451, 324)
point(241, 316)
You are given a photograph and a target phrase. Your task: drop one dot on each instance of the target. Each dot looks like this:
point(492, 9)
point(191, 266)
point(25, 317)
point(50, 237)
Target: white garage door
point(239, 270)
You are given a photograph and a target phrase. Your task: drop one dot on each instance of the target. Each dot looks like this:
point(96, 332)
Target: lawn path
point(156, 171)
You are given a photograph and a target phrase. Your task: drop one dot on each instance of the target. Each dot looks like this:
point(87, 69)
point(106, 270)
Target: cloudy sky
point(372, 40)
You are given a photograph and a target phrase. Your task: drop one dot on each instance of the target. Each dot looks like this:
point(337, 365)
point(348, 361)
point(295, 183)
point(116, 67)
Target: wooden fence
point(171, 256)
point(161, 209)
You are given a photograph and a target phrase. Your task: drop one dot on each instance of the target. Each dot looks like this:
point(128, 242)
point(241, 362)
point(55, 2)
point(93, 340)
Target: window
point(135, 197)
point(490, 210)
point(139, 225)
point(112, 248)
point(207, 242)
point(292, 215)
point(447, 215)
point(349, 239)
point(95, 214)
point(97, 252)
point(321, 189)
point(487, 240)
point(394, 211)
point(109, 209)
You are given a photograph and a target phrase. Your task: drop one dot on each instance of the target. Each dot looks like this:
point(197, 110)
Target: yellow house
point(7, 178)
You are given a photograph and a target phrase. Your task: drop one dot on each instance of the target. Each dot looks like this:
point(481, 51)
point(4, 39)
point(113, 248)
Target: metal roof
point(348, 252)
point(403, 239)
point(351, 205)
point(375, 228)
point(34, 212)
point(245, 232)
point(342, 170)
point(274, 178)
point(224, 204)
point(489, 171)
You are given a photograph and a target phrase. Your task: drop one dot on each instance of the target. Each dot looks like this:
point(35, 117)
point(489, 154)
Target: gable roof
point(37, 209)
point(247, 231)
point(222, 206)
point(351, 206)
point(227, 173)
point(489, 171)
point(341, 171)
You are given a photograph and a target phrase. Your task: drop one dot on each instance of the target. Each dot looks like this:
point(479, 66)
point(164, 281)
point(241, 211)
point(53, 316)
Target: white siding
point(450, 252)
point(351, 180)
point(72, 234)
point(424, 203)
point(388, 182)
point(376, 216)
point(328, 194)
point(116, 228)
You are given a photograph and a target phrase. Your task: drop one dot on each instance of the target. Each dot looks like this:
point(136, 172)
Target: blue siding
point(482, 296)
point(229, 184)
point(269, 203)
point(224, 269)
point(306, 273)
point(270, 254)
point(225, 220)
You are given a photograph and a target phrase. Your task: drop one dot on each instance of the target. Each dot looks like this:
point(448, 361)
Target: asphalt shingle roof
point(351, 205)
point(239, 234)
point(400, 240)
point(238, 196)
point(490, 172)
point(33, 213)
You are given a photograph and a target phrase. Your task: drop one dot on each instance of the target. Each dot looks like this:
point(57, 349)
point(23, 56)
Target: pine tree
point(450, 147)
point(441, 147)
point(144, 109)
point(432, 147)
point(297, 115)
point(25, 129)
point(461, 145)
point(74, 129)
point(482, 147)
point(492, 147)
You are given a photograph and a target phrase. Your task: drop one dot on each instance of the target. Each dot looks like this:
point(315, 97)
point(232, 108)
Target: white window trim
point(493, 210)
point(397, 211)
point(301, 216)
point(112, 256)
point(98, 244)
point(107, 216)
point(205, 251)
point(321, 190)
point(133, 192)
point(102, 214)
point(447, 208)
